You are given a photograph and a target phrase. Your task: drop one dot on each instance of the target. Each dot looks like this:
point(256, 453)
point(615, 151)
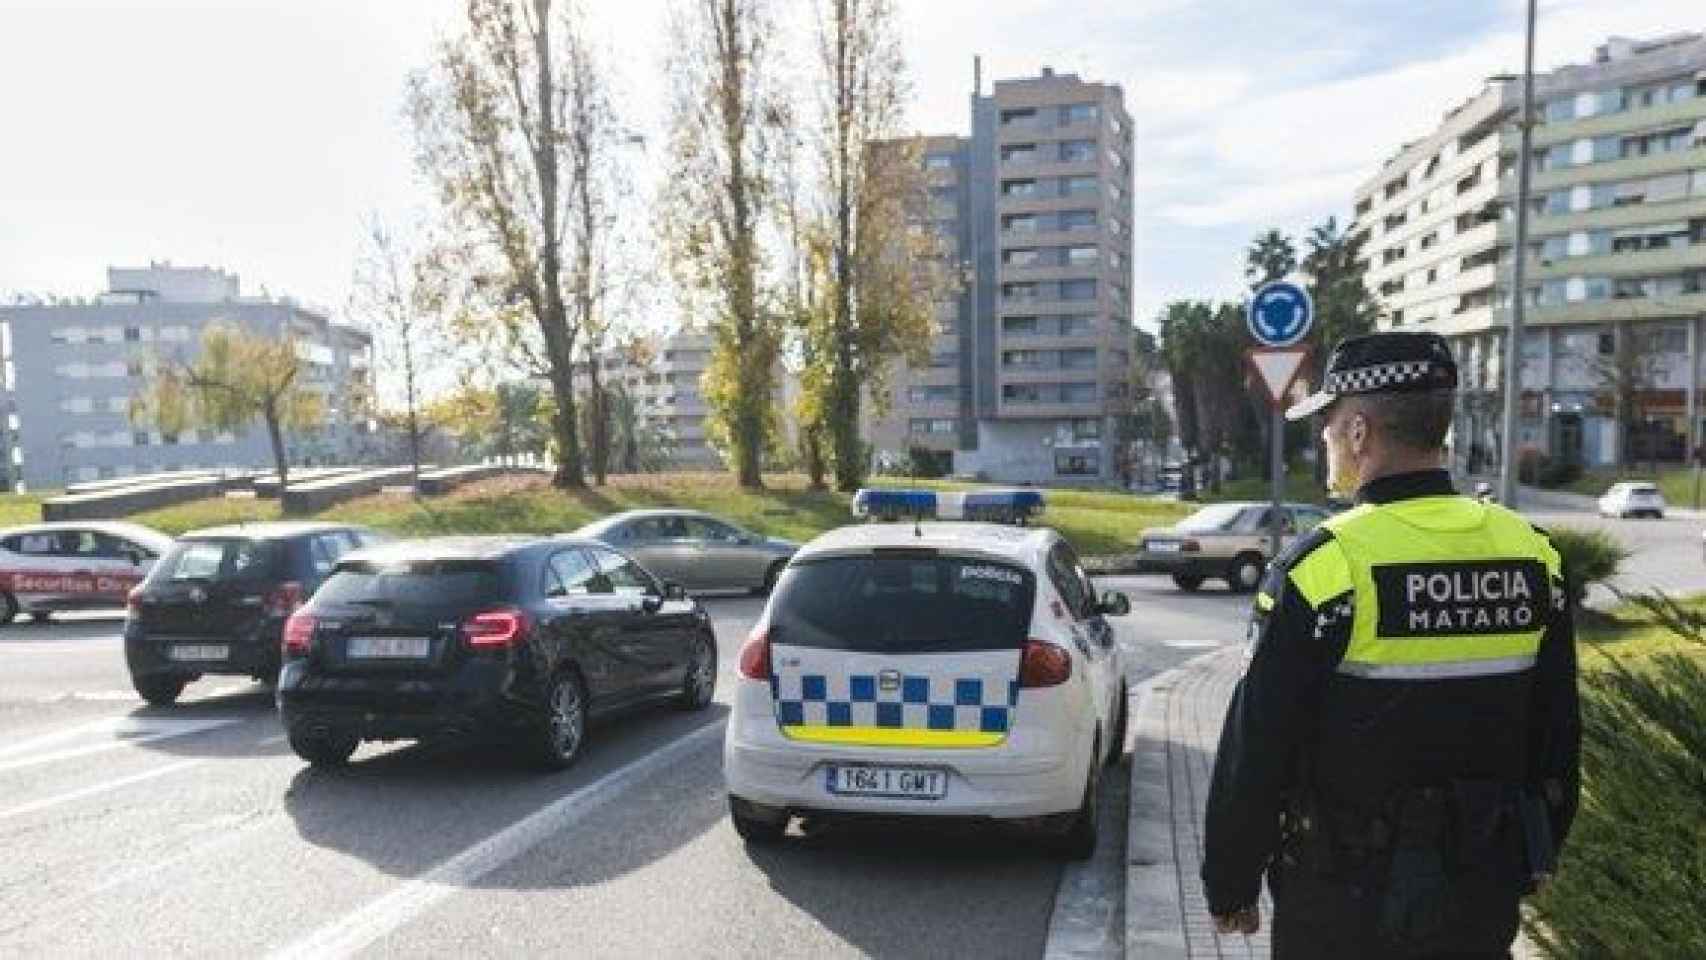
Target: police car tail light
point(494, 629)
point(755, 656)
point(299, 634)
point(284, 599)
point(1043, 664)
point(1190, 546)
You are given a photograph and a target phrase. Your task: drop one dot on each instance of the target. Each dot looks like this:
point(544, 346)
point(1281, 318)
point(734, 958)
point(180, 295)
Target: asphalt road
point(193, 831)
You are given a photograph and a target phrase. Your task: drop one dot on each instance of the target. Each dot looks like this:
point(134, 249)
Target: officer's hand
point(1246, 921)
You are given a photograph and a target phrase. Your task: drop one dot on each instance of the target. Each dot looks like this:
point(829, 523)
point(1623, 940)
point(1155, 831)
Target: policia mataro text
point(1401, 756)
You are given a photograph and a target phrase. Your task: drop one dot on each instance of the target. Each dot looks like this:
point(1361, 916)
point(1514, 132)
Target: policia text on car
point(1401, 757)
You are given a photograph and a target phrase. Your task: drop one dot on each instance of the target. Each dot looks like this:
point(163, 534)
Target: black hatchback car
point(216, 602)
point(521, 640)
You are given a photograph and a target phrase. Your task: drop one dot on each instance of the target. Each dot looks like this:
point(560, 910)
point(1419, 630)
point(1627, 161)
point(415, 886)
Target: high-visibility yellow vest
point(1442, 587)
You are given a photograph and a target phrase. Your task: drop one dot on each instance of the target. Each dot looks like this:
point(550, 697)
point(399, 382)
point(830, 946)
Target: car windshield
point(1220, 516)
point(220, 559)
point(903, 602)
point(414, 583)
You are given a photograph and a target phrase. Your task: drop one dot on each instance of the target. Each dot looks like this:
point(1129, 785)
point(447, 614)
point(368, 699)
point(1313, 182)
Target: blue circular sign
point(1280, 314)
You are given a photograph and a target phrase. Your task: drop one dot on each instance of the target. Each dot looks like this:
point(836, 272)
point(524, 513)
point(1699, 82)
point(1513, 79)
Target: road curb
point(1154, 907)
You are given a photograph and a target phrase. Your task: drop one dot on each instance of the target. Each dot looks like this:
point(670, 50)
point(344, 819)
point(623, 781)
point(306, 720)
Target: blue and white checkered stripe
point(973, 703)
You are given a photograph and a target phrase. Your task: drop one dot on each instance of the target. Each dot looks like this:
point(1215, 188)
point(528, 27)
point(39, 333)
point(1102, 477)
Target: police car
point(73, 565)
point(935, 669)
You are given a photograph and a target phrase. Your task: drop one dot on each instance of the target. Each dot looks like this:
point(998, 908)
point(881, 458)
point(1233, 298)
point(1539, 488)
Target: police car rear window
point(903, 602)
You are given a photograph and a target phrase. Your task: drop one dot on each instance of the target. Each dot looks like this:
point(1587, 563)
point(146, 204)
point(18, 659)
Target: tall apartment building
point(1617, 250)
point(662, 376)
point(1030, 366)
point(75, 367)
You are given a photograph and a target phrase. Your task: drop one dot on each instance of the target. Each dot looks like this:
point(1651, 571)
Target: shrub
point(1632, 879)
point(1590, 556)
point(1555, 474)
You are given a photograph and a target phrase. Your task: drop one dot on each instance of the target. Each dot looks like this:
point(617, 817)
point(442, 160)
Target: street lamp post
point(1508, 476)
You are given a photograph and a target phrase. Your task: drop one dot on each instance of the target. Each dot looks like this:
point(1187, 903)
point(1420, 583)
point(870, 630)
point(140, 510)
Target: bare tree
point(885, 269)
point(499, 132)
point(401, 290)
point(723, 117)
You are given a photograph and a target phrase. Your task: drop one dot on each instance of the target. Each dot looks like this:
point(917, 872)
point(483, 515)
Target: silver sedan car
point(699, 551)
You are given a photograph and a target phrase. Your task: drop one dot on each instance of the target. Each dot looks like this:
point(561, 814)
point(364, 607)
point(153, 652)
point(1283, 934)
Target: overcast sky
point(254, 134)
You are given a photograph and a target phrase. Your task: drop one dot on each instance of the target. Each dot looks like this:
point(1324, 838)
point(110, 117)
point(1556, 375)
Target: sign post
point(1279, 316)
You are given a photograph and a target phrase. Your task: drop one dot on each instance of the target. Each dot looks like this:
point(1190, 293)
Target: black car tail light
point(497, 629)
point(283, 599)
point(299, 634)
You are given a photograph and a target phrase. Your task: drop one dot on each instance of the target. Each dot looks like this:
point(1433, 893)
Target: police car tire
point(752, 827)
point(1078, 842)
point(8, 608)
point(159, 690)
point(1188, 582)
point(1121, 719)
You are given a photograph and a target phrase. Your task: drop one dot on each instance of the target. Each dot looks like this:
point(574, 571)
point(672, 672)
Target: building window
point(1077, 393)
point(1086, 428)
point(1077, 325)
point(937, 426)
point(70, 335)
point(1021, 393)
point(1019, 223)
point(1077, 463)
point(1077, 151)
point(1080, 113)
point(1019, 326)
point(1019, 154)
point(1078, 290)
point(1026, 117)
point(140, 438)
point(1018, 188)
point(1022, 358)
point(77, 404)
point(1078, 220)
point(1018, 291)
point(1083, 254)
point(938, 161)
point(1430, 240)
point(1079, 359)
point(941, 361)
point(1021, 257)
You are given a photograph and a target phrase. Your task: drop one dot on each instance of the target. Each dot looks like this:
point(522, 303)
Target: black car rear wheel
point(562, 729)
point(41, 616)
point(8, 608)
point(324, 746)
point(701, 680)
point(159, 690)
point(1188, 582)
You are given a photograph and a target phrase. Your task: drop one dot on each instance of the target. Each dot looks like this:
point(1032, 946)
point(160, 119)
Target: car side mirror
point(1114, 604)
point(674, 591)
point(134, 556)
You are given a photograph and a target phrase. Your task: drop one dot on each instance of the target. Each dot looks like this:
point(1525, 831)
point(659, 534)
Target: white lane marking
point(354, 931)
point(161, 731)
point(107, 786)
point(98, 788)
point(92, 696)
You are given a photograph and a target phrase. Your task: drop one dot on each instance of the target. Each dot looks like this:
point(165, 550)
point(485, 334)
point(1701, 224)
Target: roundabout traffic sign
point(1280, 314)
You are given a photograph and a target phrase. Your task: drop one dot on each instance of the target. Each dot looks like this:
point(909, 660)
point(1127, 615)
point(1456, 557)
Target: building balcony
point(1049, 272)
point(1633, 263)
point(1053, 238)
point(1608, 218)
point(1050, 411)
point(1627, 168)
point(1552, 133)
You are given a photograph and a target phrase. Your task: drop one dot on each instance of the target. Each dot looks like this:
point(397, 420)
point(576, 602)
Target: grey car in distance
point(699, 551)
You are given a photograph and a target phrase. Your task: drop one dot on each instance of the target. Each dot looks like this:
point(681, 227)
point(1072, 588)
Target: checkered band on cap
point(1379, 376)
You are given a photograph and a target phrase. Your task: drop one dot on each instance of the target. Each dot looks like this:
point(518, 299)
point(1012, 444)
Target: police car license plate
point(903, 782)
point(387, 647)
point(201, 651)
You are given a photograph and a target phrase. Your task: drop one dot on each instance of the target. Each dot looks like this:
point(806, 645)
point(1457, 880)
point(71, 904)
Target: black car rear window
point(221, 559)
point(903, 602)
point(426, 583)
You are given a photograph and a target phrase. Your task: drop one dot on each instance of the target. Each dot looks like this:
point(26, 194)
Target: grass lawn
point(1300, 487)
point(1629, 633)
point(1096, 523)
point(17, 508)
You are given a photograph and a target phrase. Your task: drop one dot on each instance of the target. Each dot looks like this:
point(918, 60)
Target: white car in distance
point(1633, 498)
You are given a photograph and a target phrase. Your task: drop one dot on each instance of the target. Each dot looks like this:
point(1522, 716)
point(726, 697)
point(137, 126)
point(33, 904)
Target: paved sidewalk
point(1177, 728)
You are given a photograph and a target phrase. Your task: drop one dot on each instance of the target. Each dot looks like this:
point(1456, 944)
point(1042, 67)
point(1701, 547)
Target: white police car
point(936, 669)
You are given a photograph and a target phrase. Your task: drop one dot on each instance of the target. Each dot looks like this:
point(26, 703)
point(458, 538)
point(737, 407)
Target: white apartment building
point(1617, 249)
point(75, 366)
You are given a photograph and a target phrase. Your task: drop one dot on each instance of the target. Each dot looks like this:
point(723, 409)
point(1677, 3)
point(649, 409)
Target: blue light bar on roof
point(994, 506)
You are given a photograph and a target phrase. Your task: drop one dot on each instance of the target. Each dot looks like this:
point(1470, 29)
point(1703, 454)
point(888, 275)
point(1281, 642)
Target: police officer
point(1401, 756)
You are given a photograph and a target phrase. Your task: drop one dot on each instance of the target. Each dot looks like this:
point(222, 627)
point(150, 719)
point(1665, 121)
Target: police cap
point(1382, 363)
